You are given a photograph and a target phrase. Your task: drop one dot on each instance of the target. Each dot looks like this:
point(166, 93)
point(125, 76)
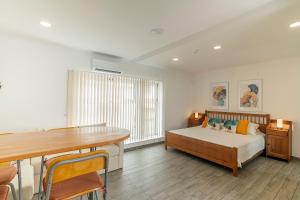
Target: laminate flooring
point(152, 173)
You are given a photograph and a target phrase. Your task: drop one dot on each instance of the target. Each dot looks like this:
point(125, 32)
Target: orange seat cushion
point(3, 192)
point(75, 187)
point(242, 127)
point(7, 174)
point(205, 122)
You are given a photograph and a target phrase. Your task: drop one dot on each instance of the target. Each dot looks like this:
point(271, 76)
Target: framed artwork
point(219, 95)
point(250, 95)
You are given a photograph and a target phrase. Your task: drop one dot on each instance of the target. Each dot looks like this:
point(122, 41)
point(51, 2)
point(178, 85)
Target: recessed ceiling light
point(175, 59)
point(157, 31)
point(217, 47)
point(295, 24)
point(45, 24)
point(196, 51)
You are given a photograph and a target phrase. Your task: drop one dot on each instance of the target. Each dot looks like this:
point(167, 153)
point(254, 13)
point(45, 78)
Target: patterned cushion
point(212, 121)
point(230, 123)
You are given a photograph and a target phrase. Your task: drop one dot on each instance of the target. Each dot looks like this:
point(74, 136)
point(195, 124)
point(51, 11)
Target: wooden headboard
point(262, 119)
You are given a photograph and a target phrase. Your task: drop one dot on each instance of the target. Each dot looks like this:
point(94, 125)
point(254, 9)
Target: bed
point(227, 149)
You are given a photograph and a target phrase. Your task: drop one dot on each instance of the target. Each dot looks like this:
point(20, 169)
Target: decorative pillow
point(211, 121)
point(242, 127)
point(230, 129)
point(205, 122)
point(214, 121)
point(217, 127)
point(252, 128)
point(233, 129)
point(220, 126)
point(229, 123)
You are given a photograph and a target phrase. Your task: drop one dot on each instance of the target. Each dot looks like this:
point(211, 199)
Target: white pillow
point(218, 126)
point(252, 128)
point(232, 129)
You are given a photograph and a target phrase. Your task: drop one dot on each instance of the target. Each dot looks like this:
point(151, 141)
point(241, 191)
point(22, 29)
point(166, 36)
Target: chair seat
point(3, 192)
point(7, 174)
point(75, 187)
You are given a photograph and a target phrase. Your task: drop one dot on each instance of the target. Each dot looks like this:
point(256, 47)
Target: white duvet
point(248, 145)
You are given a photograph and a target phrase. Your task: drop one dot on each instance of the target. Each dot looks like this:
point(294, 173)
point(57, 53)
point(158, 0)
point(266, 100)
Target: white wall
point(281, 92)
point(34, 77)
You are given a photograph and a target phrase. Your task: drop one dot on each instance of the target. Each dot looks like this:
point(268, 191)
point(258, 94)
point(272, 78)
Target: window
point(120, 101)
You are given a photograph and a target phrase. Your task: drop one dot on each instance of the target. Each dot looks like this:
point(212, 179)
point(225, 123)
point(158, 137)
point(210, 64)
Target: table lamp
point(279, 123)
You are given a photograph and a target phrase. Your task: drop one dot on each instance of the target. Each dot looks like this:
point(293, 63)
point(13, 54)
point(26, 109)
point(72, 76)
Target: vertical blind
point(120, 101)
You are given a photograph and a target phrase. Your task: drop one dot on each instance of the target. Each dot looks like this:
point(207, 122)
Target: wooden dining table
point(20, 146)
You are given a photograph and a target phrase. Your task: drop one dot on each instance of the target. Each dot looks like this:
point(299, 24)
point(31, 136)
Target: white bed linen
point(248, 145)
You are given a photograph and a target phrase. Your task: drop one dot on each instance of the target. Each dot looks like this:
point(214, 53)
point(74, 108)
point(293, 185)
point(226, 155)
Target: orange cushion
point(205, 122)
point(242, 127)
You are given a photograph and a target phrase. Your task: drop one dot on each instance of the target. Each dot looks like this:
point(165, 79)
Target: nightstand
point(195, 121)
point(279, 140)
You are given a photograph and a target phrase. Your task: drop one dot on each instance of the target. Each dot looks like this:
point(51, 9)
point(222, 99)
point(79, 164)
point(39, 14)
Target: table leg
point(41, 177)
point(91, 195)
point(19, 179)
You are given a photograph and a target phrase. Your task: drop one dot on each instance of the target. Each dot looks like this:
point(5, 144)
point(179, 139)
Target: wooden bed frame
point(219, 154)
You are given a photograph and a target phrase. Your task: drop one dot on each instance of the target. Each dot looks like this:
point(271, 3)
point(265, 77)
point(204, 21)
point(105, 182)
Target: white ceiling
point(249, 30)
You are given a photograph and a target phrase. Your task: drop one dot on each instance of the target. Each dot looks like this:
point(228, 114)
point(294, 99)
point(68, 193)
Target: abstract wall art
point(219, 95)
point(250, 95)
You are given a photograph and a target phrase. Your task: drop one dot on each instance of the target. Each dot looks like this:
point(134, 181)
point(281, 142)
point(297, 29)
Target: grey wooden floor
point(155, 174)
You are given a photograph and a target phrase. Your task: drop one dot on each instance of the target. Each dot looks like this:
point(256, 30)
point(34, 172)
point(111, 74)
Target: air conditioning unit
point(102, 64)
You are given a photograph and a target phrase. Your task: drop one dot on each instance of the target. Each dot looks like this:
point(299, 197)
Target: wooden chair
point(93, 125)
point(61, 129)
point(75, 175)
point(7, 174)
point(44, 160)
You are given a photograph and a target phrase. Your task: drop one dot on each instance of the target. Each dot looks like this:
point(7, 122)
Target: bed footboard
point(219, 154)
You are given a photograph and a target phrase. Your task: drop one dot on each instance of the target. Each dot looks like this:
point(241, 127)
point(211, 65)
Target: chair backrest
point(72, 165)
point(4, 189)
point(5, 133)
point(5, 164)
point(93, 125)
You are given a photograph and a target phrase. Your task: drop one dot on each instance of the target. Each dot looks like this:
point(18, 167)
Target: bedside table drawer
point(193, 123)
point(277, 133)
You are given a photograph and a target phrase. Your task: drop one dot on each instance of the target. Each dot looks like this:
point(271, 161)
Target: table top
point(19, 146)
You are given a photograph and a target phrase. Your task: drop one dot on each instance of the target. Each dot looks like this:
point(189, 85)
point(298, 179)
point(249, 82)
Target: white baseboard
point(146, 142)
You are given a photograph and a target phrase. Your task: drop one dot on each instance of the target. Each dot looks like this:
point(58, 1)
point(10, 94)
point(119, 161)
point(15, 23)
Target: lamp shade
point(279, 123)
